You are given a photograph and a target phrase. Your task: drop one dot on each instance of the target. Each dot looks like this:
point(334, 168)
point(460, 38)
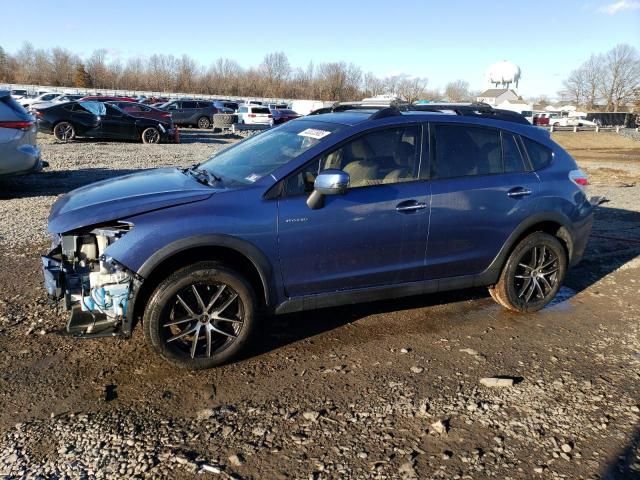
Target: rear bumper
point(24, 159)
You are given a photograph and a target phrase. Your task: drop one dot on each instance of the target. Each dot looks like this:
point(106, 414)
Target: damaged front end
point(93, 286)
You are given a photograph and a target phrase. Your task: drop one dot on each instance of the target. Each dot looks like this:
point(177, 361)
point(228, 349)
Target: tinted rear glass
point(260, 110)
point(189, 104)
point(539, 155)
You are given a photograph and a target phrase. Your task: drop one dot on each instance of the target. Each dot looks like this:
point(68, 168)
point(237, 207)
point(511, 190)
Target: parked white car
point(254, 115)
point(45, 97)
point(67, 97)
point(571, 122)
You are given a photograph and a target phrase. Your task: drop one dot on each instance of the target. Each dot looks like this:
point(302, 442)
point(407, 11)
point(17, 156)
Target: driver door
point(375, 234)
point(116, 124)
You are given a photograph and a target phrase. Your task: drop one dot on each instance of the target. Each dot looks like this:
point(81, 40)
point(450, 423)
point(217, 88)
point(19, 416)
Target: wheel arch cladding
point(243, 257)
point(552, 223)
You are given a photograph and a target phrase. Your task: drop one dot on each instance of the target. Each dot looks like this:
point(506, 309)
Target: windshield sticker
point(252, 178)
point(314, 133)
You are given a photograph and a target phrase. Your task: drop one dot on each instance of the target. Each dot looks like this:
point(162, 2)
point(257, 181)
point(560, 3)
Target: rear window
point(539, 155)
point(260, 110)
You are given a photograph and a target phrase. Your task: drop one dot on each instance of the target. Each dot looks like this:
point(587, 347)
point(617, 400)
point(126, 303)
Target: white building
point(496, 96)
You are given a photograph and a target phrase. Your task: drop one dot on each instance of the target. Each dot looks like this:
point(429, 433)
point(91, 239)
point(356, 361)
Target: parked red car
point(105, 98)
point(283, 115)
point(541, 119)
point(146, 111)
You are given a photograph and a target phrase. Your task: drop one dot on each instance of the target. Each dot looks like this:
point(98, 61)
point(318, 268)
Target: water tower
point(503, 74)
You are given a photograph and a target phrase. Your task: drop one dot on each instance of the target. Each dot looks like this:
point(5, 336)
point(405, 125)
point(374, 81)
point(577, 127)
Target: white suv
point(254, 115)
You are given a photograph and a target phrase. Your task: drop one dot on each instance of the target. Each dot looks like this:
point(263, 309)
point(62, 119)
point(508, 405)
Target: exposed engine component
point(94, 286)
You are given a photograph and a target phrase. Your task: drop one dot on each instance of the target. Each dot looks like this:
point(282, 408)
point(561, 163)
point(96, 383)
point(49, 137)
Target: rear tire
point(532, 275)
point(201, 316)
point(204, 123)
point(64, 131)
point(150, 135)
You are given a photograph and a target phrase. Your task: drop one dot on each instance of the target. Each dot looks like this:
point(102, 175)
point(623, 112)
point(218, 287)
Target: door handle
point(410, 206)
point(519, 192)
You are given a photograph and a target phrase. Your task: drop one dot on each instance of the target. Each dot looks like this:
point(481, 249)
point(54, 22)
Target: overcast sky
point(440, 40)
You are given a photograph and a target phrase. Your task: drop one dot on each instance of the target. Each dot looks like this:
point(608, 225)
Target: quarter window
point(539, 155)
point(460, 150)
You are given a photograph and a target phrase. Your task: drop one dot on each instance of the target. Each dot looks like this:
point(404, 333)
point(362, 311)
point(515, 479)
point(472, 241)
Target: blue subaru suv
point(355, 205)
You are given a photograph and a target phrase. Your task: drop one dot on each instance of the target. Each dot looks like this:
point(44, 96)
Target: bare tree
point(4, 66)
point(621, 76)
point(457, 91)
point(373, 85)
point(63, 64)
point(412, 89)
point(96, 67)
point(276, 69)
point(592, 72)
point(574, 88)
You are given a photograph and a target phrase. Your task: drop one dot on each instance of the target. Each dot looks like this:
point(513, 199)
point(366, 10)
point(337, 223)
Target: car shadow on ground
point(603, 256)
point(627, 464)
point(55, 182)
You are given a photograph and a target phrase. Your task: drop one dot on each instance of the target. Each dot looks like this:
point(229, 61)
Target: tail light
point(579, 178)
point(252, 115)
point(270, 116)
point(20, 125)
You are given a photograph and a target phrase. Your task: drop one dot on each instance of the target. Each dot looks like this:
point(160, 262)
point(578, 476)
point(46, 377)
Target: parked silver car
point(18, 150)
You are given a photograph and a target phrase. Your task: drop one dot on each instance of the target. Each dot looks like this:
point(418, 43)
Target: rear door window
point(462, 150)
point(189, 104)
point(539, 155)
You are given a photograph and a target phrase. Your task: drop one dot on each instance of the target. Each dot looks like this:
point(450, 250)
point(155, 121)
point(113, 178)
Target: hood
point(123, 197)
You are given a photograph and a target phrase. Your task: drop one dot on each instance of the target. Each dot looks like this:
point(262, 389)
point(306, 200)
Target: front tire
point(150, 135)
point(532, 275)
point(204, 122)
point(64, 132)
point(201, 316)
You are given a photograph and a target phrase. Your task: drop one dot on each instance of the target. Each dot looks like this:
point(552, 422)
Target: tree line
point(607, 80)
point(274, 77)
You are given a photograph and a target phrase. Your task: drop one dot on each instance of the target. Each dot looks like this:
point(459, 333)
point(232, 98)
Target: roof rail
point(395, 108)
point(476, 109)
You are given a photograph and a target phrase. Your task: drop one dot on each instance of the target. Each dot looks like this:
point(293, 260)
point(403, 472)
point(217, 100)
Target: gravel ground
point(630, 133)
point(385, 390)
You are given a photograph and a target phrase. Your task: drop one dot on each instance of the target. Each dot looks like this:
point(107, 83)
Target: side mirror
point(328, 182)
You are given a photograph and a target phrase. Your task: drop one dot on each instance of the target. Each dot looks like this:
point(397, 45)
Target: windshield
point(258, 156)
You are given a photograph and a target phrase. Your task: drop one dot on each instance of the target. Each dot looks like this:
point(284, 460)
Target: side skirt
point(372, 294)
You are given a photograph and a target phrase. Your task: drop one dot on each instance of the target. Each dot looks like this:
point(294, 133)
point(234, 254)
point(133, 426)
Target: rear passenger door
point(481, 190)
